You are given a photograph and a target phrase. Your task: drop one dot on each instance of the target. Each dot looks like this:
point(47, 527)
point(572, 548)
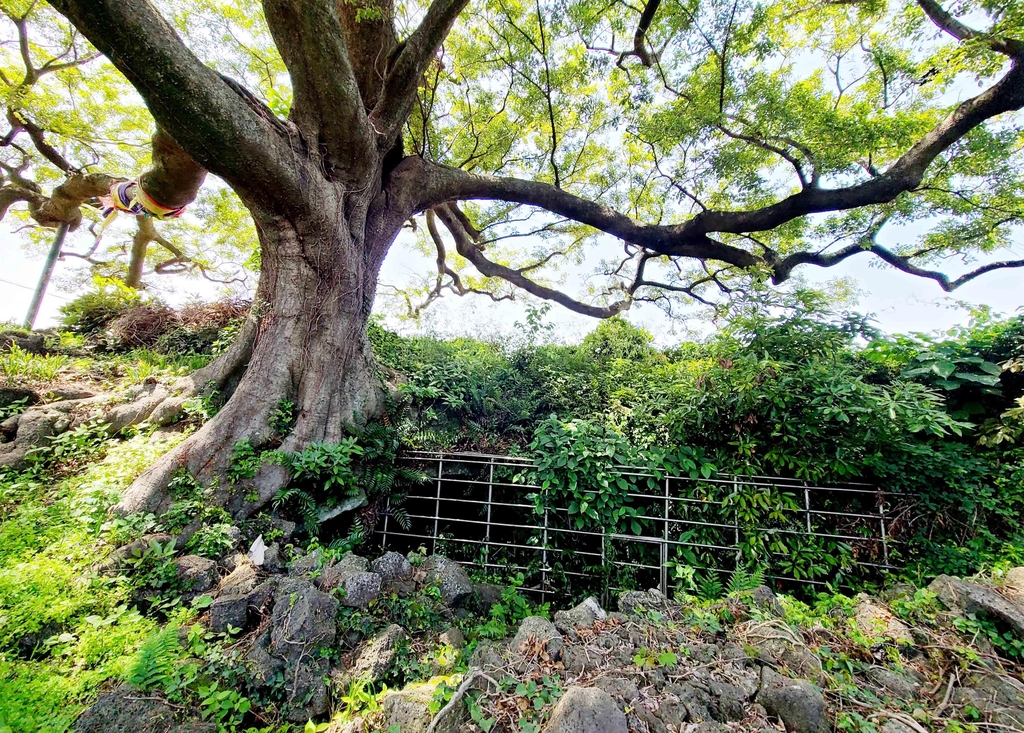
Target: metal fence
point(480, 510)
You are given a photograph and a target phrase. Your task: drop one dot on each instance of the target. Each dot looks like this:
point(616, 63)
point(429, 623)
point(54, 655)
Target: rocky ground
point(321, 640)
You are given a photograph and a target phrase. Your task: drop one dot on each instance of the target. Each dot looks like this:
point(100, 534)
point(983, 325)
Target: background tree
point(725, 142)
point(72, 116)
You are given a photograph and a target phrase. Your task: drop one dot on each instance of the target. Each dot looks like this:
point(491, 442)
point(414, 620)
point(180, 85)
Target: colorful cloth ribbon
point(129, 197)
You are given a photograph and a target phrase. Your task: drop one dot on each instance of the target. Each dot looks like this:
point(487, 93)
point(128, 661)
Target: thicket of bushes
point(114, 318)
point(813, 396)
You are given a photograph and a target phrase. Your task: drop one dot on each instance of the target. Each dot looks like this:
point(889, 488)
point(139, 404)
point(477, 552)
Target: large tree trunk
point(313, 303)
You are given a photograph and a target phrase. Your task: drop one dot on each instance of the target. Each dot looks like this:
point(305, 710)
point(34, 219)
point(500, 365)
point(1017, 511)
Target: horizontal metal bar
point(471, 501)
point(535, 548)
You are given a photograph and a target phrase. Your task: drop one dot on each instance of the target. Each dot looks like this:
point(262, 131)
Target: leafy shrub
point(201, 327)
point(91, 313)
point(213, 540)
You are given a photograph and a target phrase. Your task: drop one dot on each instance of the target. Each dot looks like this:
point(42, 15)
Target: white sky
point(900, 302)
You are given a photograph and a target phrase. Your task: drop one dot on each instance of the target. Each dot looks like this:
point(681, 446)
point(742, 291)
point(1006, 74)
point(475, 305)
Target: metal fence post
point(437, 504)
point(544, 556)
point(604, 564)
point(664, 544)
point(807, 506)
point(885, 534)
point(736, 522)
point(490, 499)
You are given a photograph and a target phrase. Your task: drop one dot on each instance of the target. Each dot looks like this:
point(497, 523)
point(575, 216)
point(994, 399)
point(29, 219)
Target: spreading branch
point(905, 263)
point(196, 106)
point(640, 49)
point(438, 184)
point(399, 95)
point(472, 252)
point(962, 32)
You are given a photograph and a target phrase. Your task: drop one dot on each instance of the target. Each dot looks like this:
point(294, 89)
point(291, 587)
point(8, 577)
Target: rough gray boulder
point(392, 566)
point(374, 659)
point(621, 688)
point(455, 585)
point(587, 710)
point(239, 598)
point(302, 624)
point(272, 560)
point(764, 598)
point(636, 601)
point(351, 575)
point(896, 726)
point(409, 709)
point(453, 637)
point(486, 657)
point(260, 665)
point(360, 589)
point(965, 597)
point(875, 621)
point(778, 644)
point(694, 704)
point(536, 629)
point(196, 575)
point(797, 703)
point(126, 710)
point(240, 581)
point(895, 684)
point(581, 616)
point(1014, 581)
point(999, 698)
point(486, 595)
point(333, 576)
point(307, 564)
point(730, 701)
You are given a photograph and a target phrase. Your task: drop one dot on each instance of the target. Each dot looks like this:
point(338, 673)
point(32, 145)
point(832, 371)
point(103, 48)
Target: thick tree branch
point(962, 32)
point(190, 100)
point(38, 137)
point(904, 264)
point(399, 93)
point(691, 238)
point(640, 37)
point(11, 194)
point(326, 105)
point(457, 184)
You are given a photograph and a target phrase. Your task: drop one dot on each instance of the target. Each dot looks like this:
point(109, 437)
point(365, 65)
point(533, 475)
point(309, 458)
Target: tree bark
point(310, 315)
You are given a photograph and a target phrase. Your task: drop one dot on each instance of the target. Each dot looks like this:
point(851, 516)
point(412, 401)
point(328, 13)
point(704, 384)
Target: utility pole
point(44, 279)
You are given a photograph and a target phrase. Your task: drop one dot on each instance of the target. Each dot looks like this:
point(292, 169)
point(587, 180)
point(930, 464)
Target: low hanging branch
point(466, 247)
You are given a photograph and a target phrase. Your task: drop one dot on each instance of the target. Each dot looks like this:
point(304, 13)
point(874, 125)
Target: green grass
point(51, 533)
point(18, 364)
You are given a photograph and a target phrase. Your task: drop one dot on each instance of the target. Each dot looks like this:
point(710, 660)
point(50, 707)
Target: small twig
point(457, 697)
point(901, 717)
point(949, 691)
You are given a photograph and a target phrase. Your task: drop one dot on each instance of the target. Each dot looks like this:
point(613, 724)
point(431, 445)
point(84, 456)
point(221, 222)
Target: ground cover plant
point(815, 394)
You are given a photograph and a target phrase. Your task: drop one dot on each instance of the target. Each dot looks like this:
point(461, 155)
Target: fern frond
point(744, 580)
point(710, 587)
point(155, 666)
point(739, 582)
point(401, 516)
